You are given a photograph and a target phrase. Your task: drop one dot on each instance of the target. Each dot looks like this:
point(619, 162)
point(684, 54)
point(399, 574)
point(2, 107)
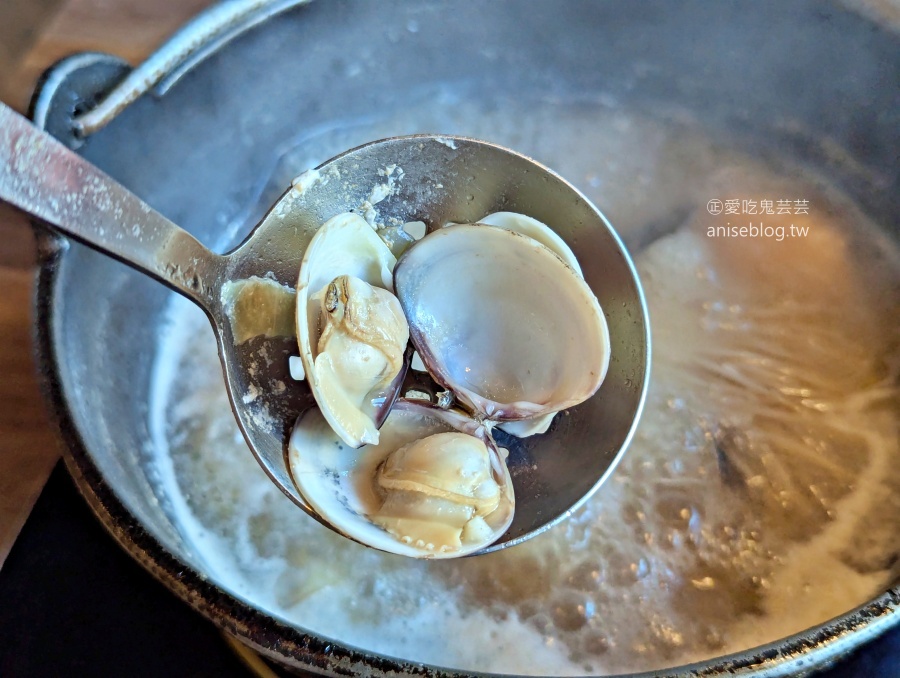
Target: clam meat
point(351, 330)
point(435, 486)
point(437, 491)
point(362, 343)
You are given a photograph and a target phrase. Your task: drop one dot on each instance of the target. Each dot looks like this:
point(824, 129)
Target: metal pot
point(775, 75)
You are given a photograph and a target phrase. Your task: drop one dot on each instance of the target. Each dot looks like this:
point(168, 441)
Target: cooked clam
point(502, 322)
point(435, 486)
point(437, 491)
point(350, 327)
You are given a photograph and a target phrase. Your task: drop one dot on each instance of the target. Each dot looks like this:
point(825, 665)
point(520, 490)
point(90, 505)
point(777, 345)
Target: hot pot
point(195, 129)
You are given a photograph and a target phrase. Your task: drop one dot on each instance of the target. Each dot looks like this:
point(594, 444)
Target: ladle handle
point(42, 177)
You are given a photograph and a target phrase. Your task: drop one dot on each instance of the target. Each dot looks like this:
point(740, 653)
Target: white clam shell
point(339, 482)
point(521, 223)
point(344, 245)
point(502, 321)
point(523, 428)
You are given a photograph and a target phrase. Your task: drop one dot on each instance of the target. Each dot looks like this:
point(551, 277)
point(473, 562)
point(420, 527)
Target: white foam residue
point(368, 212)
point(379, 193)
point(393, 175)
point(252, 394)
point(466, 639)
point(449, 143)
point(307, 180)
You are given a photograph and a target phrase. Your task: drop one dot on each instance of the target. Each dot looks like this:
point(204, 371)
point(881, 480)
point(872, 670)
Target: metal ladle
point(444, 179)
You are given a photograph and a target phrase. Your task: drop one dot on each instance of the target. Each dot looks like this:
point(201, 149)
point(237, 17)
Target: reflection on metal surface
point(200, 38)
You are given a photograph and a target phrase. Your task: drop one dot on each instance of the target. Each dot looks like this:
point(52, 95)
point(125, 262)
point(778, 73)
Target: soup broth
point(760, 496)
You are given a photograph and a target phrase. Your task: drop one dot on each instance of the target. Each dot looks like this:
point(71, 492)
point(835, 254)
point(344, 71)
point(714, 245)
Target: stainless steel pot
point(773, 75)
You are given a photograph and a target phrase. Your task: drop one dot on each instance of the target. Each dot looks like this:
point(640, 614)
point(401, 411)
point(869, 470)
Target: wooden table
point(29, 446)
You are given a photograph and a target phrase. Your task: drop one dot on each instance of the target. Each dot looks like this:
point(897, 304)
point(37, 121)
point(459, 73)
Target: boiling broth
point(760, 496)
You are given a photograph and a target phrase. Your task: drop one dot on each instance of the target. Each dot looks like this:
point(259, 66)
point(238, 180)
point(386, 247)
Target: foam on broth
point(760, 496)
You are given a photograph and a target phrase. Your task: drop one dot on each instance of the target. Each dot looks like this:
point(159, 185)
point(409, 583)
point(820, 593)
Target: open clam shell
point(350, 329)
point(342, 484)
point(502, 321)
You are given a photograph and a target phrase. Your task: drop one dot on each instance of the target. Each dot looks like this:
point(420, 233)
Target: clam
point(501, 318)
point(502, 322)
point(434, 486)
point(350, 327)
